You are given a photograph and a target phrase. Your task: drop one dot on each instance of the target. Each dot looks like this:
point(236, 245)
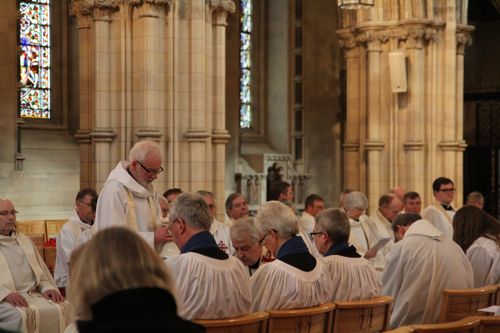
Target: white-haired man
point(352, 277)
point(29, 299)
point(210, 284)
point(245, 238)
point(128, 198)
point(296, 279)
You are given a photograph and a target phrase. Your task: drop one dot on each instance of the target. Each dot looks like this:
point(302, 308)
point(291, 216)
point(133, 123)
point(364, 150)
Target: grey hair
point(356, 200)
point(243, 229)
point(279, 217)
point(204, 194)
point(193, 210)
point(335, 223)
point(142, 149)
point(474, 197)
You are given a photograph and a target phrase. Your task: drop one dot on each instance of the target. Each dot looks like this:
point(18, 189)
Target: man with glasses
point(71, 233)
point(210, 283)
point(441, 212)
point(29, 299)
point(352, 277)
point(296, 279)
point(128, 198)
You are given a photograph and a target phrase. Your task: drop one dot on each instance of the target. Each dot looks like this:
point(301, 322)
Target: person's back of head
point(115, 259)
point(402, 222)
point(476, 199)
point(356, 200)
point(274, 215)
point(470, 223)
point(172, 193)
point(193, 210)
point(335, 224)
point(278, 189)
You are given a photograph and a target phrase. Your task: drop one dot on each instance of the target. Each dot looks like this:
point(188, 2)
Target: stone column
point(352, 153)
point(220, 136)
point(374, 143)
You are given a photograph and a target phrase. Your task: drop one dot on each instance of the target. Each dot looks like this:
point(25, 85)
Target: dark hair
point(470, 223)
point(170, 191)
point(84, 192)
point(386, 199)
point(311, 199)
point(230, 198)
point(436, 185)
point(404, 219)
point(93, 203)
point(410, 196)
point(277, 188)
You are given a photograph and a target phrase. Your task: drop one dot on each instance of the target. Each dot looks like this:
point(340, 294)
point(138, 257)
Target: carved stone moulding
point(86, 7)
point(102, 134)
point(220, 137)
point(351, 146)
point(413, 145)
point(82, 136)
point(452, 145)
point(148, 133)
point(374, 145)
point(223, 5)
point(196, 135)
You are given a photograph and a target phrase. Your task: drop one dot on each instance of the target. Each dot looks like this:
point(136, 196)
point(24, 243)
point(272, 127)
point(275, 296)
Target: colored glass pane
point(245, 63)
point(34, 59)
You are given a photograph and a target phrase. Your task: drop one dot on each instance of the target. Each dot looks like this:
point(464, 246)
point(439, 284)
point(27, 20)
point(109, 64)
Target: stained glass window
point(246, 64)
point(34, 59)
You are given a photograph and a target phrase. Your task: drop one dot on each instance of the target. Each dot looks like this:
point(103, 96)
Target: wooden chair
point(489, 324)
point(316, 319)
point(36, 227)
point(38, 240)
point(497, 298)
point(363, 316)
point(461, 303)
point(53, 227)
point(251, 323)
point(402, 329)
point(464, 325)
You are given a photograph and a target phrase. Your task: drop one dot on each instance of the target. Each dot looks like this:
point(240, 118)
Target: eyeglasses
point(447, 190)
point(151, 171)
point(86, 203)
point(9, 212)
point(263, 239)
point(312, 234)
point(170, 225)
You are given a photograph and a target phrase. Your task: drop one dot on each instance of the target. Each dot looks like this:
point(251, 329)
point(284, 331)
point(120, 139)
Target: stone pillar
point(220, 136)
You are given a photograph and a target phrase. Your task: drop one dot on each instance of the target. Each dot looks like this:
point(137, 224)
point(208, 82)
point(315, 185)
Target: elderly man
point(342, 197)
point(245, 239)
point(210, 284)
point(379, 226)
point(352, 277)
point(412, 203)
point(71, 232)
point(441, 213)
point(236, 207)
point(423, 262)
point(219, 230)
point(475, 199)
point(128, 198)
point(295, 279)
point(313, 205)
point(29, 300)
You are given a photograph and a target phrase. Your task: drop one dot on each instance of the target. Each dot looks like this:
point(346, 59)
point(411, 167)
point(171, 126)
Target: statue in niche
point(274, 174)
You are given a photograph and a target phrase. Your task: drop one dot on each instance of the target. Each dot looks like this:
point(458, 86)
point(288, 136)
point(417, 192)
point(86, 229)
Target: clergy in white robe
point(210, 284)
point(441, 212)
point(423, 262)
point(355, 205)
point(478, 234)
point(351, 277)
point(379, 226)
point(128, 198)
point(70, 234)
point(296, 279)
point(29, 299)
point(313, 205)
point(219, 230)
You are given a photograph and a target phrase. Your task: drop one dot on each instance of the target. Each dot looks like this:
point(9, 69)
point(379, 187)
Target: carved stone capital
point(222, 5)
point(347, 41)
point(87, 7)
point(464, 37)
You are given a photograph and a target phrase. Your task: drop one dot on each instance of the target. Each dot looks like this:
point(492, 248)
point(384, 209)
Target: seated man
point(245, 239)
point(28, 293)
point(296, 279)
point(71, 232)
point(210, 284)
point(352, 277)
point(236, 208)
point(313, 205)
point(423, 262)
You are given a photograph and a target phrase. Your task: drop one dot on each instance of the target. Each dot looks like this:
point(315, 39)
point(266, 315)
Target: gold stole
point(132, 217)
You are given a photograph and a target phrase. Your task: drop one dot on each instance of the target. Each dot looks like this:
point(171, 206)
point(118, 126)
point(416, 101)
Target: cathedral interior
point(237, 92)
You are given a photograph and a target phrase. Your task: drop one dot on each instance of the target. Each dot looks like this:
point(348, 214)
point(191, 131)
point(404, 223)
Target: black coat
point(144, 310)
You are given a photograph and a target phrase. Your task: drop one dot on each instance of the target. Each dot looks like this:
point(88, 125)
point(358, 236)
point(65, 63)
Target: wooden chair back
point(402, 329)
point(316, 319)
point(53, 227)
point(251, 323)
point(489, 324)
point(365, 316)
point(35, 227)
point(461, 303)
point(464, 325)
point(38, 240)
point(497, 298)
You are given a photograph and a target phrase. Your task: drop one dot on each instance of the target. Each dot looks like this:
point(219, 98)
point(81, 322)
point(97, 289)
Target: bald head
point(7, 217)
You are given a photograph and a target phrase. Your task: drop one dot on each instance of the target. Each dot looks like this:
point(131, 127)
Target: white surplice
point(68, 239)
point(352, 279)
point(420, 267)
point(484, 256)
point(378, 228)
point(209, 288)
point(24, 271)
point(440, 218)
point(126, 203)
point(222, 236)
point(360, 236)
point(278, 285)
point(306, 222)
